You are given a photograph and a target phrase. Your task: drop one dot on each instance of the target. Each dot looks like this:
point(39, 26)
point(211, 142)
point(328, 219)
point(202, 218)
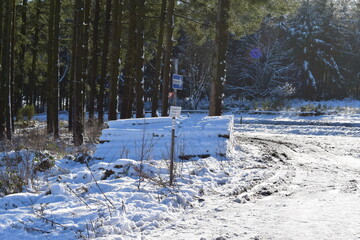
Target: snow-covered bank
point(150, 138)
point(121, 198)
point(281, 183)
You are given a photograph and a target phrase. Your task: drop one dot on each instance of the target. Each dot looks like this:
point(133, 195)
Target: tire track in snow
point(320, 198)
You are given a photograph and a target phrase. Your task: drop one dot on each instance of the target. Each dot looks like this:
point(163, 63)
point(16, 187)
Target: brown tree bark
point(139, 60)
point(94, 61)
point(72, 75)
point(34, 51)
point(221, 38)
point(52, 69)
point(5, 67)
point(10, 84)
point(78, 107)
point(104, 62)
point(55, 90)
point(167, 59)
point(85, 58)
point(2, 6)
point(159, 53)
point(20, 77)
point(49, 97)
point(115, 57)
point(129, 69)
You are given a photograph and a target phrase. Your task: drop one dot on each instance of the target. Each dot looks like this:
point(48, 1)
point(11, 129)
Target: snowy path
point(318, 197)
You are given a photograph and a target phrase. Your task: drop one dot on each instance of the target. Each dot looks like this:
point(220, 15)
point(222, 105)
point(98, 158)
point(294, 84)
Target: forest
point(93, 58)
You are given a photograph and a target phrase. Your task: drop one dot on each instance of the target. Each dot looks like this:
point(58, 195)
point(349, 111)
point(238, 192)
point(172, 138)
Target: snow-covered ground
point(150, 138)
point(290, 177)
point(313, 194)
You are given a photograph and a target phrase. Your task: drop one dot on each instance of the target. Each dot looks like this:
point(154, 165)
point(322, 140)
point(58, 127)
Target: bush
point(19, 115)
point(27, 111)
point(271, 104)
point(11, 182)
point(17, 169)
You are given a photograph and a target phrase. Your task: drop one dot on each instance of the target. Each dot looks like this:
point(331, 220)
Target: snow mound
point(150, 138)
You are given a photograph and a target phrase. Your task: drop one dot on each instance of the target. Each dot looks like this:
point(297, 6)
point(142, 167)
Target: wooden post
point(172, 151)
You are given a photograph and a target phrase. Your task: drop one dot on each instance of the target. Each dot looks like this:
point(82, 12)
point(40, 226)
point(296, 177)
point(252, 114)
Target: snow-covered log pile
point(150, 138)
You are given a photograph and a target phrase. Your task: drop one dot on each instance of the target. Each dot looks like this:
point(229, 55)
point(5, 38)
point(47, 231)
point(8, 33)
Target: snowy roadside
point(122, 205)
point(276, 186)
point(112, 198)
point(316, 197)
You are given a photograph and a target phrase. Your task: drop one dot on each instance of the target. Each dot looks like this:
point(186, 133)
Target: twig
point(87, 205)
point(194, 20)
point(102, 192)
point(51, 221)
point(28, 229)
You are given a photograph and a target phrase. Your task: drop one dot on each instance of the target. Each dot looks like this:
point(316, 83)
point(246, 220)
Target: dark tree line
point(314, 51)
point(116, 56)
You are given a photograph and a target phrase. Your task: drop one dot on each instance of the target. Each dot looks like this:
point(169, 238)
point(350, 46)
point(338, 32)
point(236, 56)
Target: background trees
point(115, 55)
point(310, 48)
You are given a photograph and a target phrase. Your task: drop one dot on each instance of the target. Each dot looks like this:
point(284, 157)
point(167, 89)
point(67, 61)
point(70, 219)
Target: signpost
point(174, 113)
point(177, 84)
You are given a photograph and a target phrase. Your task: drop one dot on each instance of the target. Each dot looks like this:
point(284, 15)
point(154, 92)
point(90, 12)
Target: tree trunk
point(139, 61)
point(129, 71)
point(20, 78)
point(78, 125)
point(5, 67)
point(50, 99)
point(221, 38)
point(2, 6)
point(159, 53)
point(85, 58)
point(72, 75)
point(55, 73)
point(104, 62)
point(9, 107)
point(114, 58)
point(167, 59)
point(52, 68)
point(94, 61)
point(35, 44)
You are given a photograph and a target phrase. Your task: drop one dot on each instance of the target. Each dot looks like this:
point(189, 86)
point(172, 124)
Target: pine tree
point(139, 60)
point(78, 107)
point(52, 74)
point(20, 77)
point(129, 69)
point(104, 62)
point(5, 78)
point(169, 28)
point(115, 57)
point(10, 107)
point(94, 61)
point(50, 69)
point(158, 58)
point(33, 78)
point(315, 51)
point(221, 38)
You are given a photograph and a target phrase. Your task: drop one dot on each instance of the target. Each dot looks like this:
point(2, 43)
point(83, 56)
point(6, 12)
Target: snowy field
point(289, 177)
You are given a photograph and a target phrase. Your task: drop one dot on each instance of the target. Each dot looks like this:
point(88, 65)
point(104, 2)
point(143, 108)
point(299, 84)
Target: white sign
point(177, 82)
point(175, 111)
